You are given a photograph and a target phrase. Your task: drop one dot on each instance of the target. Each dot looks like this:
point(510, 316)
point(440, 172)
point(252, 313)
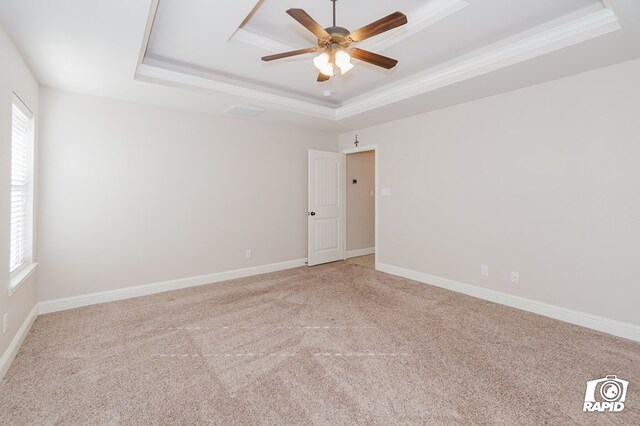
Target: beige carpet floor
point(333, 344)
point(368, 261)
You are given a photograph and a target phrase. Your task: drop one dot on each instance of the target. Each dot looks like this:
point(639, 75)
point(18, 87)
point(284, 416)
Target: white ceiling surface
point(189, 36)
point(93, 46)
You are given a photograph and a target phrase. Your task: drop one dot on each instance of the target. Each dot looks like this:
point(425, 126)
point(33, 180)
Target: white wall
point(361, 209)
point(16, 77)
point(133, 194)
point(543, 180)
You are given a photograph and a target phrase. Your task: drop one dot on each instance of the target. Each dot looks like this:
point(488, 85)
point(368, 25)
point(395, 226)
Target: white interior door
point(327, 207)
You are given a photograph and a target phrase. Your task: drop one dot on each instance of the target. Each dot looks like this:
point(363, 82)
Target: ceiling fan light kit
point(343, 61)
point(334, 43)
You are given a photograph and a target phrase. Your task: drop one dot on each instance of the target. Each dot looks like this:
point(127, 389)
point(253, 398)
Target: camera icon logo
point(606, 394)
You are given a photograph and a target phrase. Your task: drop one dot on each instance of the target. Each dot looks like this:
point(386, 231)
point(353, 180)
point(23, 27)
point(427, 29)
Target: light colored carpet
point(333, 344)
point(368, 261)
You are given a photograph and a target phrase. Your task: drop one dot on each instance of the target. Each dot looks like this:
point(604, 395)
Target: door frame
point(356, 150)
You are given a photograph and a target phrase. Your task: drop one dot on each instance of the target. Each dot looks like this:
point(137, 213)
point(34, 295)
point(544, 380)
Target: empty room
point(323, 212)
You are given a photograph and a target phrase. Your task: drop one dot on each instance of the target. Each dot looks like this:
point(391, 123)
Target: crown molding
point(531, 44)
point(151, 18)
point(162, 73)
point(501, 55)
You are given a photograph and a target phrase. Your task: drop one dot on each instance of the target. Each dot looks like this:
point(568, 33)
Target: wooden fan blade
point(288, 54)
point(308, 22)
point(390, 22)
point(322, 77)
point(373, 58)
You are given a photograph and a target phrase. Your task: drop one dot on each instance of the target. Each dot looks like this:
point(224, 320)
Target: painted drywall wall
point(15, 76)
point(544, 181)
point(133, 194)
point(361, 213)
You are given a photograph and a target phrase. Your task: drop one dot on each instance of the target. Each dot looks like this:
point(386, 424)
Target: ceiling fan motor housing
point(339, 36)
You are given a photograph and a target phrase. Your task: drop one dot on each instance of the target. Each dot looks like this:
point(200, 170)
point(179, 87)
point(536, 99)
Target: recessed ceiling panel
point(198, 36)
point(270, 19)
point(212, 48)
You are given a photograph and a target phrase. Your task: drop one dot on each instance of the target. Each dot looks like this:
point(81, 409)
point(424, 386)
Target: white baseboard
point(14, 347)
point(63, 304)
point(360, 252)
point(616, 328)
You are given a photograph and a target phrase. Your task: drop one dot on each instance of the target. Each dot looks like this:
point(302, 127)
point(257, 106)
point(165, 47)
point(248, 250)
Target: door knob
point(312, 213)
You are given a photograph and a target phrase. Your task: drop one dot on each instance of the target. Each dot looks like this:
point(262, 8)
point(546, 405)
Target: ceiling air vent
point(244, 111)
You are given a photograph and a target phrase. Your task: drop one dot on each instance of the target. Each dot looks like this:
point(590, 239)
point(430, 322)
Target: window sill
point(20, 276)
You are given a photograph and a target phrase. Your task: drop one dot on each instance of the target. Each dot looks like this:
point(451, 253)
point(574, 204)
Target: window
point(21, 185)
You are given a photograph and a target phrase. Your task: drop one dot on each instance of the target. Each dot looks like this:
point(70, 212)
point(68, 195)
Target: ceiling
point(204, 55)
point(186, 36)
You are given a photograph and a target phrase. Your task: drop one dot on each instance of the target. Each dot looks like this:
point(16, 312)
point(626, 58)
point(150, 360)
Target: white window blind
point(21, 184)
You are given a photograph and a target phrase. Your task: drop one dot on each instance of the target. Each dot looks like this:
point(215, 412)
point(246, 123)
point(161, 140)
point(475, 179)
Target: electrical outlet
point(484, 270)
point(247, 253)
point(515, 277)
point(5, 323)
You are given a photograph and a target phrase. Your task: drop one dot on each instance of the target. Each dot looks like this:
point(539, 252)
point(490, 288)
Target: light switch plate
point(385, 192)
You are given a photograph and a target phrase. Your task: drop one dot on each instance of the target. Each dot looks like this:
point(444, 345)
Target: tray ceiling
point(199, 38)
point(204, 55)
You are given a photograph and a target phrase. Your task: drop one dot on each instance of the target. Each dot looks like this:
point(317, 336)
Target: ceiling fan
point(334, 43)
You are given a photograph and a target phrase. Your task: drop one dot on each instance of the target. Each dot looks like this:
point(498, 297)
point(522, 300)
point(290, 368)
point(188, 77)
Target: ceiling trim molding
point(420, 19)
point(534, 43)
point(165, 75)
point(491, 59)
point(153, 9)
